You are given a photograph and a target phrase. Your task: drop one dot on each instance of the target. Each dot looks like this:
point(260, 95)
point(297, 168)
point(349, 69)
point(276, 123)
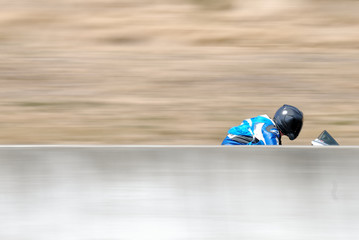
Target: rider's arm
point(271, 136)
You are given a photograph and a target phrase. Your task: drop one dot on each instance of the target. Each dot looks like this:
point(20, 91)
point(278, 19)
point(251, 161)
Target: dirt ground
point(174, 71)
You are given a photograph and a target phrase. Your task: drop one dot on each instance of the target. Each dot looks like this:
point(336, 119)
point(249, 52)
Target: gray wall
point(179, 192)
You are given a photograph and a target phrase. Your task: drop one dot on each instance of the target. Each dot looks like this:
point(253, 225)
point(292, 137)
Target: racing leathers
point(260, 130)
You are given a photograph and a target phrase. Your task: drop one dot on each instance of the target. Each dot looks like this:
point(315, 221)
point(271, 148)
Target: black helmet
point(289, 120)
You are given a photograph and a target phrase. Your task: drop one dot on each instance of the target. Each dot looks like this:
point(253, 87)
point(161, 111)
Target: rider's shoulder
point(262, 118)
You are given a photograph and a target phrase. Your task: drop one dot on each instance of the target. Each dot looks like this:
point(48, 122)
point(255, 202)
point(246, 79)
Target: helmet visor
point(296, 127)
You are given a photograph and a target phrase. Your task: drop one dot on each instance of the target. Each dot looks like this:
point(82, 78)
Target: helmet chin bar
point(291, 136)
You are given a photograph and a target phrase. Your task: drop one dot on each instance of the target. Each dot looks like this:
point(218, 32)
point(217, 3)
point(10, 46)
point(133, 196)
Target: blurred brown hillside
point(174, 71)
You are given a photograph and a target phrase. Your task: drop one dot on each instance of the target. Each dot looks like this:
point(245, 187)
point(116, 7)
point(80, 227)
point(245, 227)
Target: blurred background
point(174, 71)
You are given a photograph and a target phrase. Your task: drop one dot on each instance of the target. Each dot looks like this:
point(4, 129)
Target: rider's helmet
point(289, 120)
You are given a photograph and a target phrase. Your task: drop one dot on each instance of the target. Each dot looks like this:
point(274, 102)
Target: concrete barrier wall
point(178, 192)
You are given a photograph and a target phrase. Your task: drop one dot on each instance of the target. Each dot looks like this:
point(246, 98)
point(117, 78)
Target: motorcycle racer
point(262, 130)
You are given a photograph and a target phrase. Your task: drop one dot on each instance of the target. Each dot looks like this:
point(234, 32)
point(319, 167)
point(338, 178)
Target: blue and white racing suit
point(259, 130)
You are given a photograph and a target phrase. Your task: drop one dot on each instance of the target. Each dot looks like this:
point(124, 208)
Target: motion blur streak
point(174, 71)
point(178, 192)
